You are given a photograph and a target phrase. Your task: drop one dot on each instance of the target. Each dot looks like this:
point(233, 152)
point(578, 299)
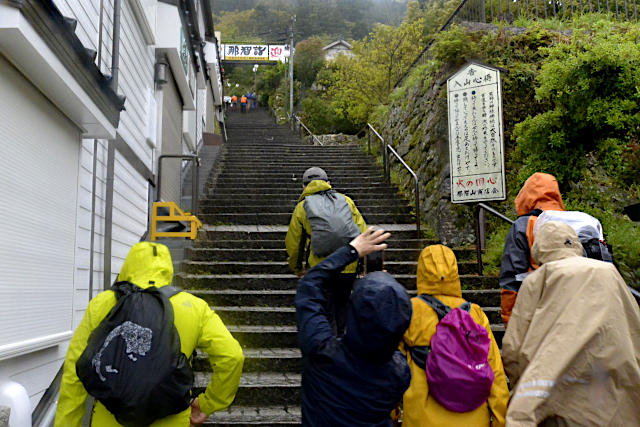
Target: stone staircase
point(239, 263)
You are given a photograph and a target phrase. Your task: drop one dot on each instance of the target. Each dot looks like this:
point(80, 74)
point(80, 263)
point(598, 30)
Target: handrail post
point(476, 215)
point(387, 162)
point(417, 189)
point(369, 139)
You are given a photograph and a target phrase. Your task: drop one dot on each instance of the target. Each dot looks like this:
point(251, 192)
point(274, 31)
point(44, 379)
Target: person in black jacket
point(358, 379)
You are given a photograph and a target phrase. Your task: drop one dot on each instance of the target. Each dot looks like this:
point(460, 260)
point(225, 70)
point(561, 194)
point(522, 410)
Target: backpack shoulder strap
point(169, 291)
point(438, 306)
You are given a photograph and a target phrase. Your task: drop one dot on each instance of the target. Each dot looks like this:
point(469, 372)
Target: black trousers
point(338, 294)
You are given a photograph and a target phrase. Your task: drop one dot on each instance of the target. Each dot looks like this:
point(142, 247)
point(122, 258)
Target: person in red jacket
point(540, 192)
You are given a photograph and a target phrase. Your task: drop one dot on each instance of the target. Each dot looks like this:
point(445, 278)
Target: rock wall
point(335, 139)
point(416, 126)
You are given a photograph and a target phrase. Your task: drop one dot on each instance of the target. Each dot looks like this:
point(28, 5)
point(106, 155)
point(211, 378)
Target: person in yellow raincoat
point(438, 276)
point(198, 327)
point(314, 181)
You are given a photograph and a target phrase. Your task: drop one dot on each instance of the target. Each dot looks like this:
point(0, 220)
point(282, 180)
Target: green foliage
point(318, 115)
point(366, 79)
point(593, 87)
point(249, 20)
point(308, 60)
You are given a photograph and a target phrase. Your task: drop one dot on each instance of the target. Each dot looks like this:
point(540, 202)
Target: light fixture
point(160, 73)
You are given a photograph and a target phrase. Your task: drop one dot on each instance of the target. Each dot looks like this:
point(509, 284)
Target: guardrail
point(386, 148)
point(302, 127)
point(175, 214)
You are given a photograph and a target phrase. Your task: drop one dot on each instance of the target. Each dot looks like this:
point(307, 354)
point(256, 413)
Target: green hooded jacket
point(198, 326)
point(300, 230)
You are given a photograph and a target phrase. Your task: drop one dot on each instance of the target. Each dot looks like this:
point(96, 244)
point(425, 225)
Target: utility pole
point(293, 20)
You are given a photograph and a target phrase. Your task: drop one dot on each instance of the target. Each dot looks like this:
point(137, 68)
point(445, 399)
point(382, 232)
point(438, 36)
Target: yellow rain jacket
point(438, 276)
point(300, 229)
point(198, 327)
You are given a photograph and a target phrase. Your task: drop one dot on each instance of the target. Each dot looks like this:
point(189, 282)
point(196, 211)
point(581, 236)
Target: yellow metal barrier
point(175, 214)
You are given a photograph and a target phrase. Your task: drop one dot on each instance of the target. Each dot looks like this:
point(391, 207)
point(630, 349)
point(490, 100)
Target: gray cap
point(312, 174)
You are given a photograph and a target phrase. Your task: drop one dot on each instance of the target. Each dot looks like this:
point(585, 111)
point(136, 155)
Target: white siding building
point(80, 143)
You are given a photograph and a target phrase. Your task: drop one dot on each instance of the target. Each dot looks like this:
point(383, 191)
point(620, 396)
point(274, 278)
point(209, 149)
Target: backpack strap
point(438, 306)
point(169, 291)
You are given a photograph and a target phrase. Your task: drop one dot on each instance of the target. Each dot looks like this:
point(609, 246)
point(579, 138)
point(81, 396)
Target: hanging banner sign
point(255, 52)
point(476, 146)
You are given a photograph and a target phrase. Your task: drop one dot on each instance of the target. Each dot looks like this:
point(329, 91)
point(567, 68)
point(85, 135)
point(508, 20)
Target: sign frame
point(489, 185)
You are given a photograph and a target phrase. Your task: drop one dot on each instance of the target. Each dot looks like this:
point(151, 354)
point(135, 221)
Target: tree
point(308, 60)
point(366, 79)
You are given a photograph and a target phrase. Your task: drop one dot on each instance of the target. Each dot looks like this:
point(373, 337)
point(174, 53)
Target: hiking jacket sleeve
point(226, 359)
point(71, 403)
point(515, 256)
point(296, 240)
point(523, 312)
point(357, 216)
point(499, 396)
point(314, 330)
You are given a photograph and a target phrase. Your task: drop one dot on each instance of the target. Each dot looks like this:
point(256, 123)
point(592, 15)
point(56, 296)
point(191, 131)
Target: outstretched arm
point(314, 330)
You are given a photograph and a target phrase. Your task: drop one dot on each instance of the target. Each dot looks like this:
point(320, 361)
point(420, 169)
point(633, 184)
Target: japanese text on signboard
point(255, 52)
point(475, 135)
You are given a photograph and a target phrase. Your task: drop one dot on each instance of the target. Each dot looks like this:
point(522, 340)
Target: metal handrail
point(387, 168)
point(315, 138)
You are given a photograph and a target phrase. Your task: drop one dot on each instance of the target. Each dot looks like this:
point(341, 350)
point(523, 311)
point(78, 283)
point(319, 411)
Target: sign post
point(476, 140)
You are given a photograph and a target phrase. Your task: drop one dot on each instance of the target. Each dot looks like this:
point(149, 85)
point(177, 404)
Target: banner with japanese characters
point(255, 52)
point(476, 147)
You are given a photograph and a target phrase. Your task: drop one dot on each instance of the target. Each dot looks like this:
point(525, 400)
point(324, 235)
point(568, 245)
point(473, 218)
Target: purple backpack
point(457, 365)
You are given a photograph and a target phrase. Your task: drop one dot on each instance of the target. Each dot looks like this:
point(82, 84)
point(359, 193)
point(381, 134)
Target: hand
point(370, 241)
point(301, 275)
point(197, 416)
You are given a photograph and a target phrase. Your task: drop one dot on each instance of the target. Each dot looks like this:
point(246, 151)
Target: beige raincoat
point(572, 347)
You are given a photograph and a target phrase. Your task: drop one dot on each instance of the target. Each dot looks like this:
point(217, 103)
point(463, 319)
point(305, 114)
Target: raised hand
point(370, 241)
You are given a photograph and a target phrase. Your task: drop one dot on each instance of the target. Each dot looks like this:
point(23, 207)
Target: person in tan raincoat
point(572, 348)
point(438, 276)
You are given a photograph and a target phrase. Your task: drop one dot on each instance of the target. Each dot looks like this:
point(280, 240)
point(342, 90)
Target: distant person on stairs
point(243, 104)
point(539, 193)
point(322, 222)
point(572, 349)
point(356, 380)
point(437, 276)
point(149, 265)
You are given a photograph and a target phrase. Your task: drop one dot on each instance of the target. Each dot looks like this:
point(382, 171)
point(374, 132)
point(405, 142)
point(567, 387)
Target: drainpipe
point(115, 62)
point(95, 167)
point(108, 214)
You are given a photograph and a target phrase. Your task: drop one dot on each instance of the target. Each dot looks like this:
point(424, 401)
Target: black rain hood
point(379, 314)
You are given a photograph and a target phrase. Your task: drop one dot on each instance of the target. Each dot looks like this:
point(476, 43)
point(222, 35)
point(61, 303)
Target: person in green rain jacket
point(315, 180)
point(198, 326)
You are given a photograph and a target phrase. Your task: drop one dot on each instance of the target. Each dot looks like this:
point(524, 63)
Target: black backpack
point(133, 363)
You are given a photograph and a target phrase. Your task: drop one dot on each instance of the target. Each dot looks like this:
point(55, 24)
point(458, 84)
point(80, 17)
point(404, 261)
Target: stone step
point(259, 360)
point(279, 254)
point(247, 416)
point(283, 218)
point(252, 315)
point(355, 185)
point(261, 388)
point(265, 336)
point(295, 178)
point(218, 233)
point(393, 243)
point(296, 182)
point(290, 200)
point(255, 281)
point(213, 208)
point(269, 336)
point(286, 297)
point(382, 191)
point(281, 267)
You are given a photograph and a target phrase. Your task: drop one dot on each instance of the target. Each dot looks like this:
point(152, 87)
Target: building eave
point(47, 21)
